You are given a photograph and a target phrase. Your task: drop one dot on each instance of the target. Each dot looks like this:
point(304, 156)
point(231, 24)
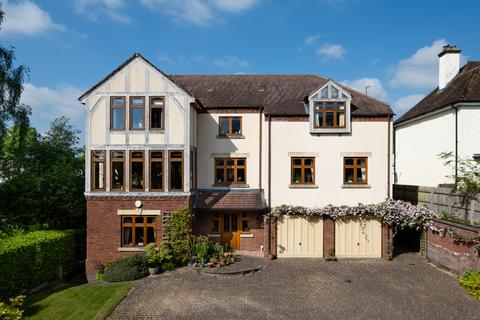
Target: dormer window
point(329, 109)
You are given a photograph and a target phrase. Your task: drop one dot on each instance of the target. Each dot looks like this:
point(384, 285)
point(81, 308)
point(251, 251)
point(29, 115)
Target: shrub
point(128, 269)
point(165, 252)
point(33, 258)
point(13, 309)
point(471, 282)
point(202, 247)
point(178, 232)
point(218, 248)
point(168, 266)
point(153, 257)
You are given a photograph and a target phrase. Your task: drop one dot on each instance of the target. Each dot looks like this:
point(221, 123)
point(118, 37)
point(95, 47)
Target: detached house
point(446, 120)
point(230, 147)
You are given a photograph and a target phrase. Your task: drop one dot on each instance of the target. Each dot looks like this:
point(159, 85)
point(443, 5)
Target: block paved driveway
point(405, 288)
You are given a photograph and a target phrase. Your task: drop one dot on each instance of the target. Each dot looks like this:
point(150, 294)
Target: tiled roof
point(465, 87)
point(230, 200)
point(279, 94)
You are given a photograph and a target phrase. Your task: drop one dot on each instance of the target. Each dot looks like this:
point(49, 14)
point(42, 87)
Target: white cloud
point(48, 104)
point(311, 40)
point(190, 11)
point(230, 62)
point(375, 87)
point(94, 9)
point(235, 5)
point(331, 51)
point(27, 18)
point(405, 103)
point(419, 70)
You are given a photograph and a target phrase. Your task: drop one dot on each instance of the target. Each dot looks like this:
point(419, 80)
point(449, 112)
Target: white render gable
point(330, 92)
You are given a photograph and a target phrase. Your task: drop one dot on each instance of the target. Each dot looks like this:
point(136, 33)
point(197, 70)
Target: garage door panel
point(356, 239)
point(299, 237)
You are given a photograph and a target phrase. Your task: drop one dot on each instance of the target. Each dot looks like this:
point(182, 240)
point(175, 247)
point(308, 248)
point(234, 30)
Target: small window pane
point(127, 236)
point(223, 126)
point(349, 175)
point(230, 175)
point(139, 220)
point(361, 161)
point(297, 162)
point(348, 161)
point(117, 154)
point(220, 176)
point(340, 119)
point(318, 119)
point(137, 175)
point(330, 106)
point(226, 224)
point(156, 176)
point(176, 175)
point(215, 226)
point(118, 116)
point(150, 235)
point(99, 175)
point(329, 119)
point(156, 121)
point(234, 223)
point(308, 162)
point(118, 101)
point(297, 175)
point(245, 226)
point(137, 118)
point(157, 101)
point(334, 92)
point(137, 101)
point(99, 154)
point(308, 173)
point(127, 219)
point(230, 162)
point(236, 125)
point(137, 154)
point(117, 175)
point(340, 105)
point(150, 220)
point(324, 93)
point(156, 154)
point(139, 236)
point(240, 175)
point(361, 175)
point(240, 162)
point(176, 154)
point(219, 162)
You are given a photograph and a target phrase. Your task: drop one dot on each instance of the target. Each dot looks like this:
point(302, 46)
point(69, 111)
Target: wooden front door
point(230, 232)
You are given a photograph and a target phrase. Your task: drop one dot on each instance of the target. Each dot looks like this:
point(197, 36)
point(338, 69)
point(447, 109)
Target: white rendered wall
point(468, 131)
point(417, 146)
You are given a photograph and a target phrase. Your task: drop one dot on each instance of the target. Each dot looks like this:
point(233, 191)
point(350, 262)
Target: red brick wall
point(104, 225)
point(442, 250)
point(328, 236)
point(387, 234)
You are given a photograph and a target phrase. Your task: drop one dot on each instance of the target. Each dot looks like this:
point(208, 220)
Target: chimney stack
point(448, 65)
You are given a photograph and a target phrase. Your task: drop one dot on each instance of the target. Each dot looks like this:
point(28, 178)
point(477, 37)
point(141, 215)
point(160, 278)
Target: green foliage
point(43, 181)
point(218, 249)
point(152, 255)
point(202, 247)
point(168, 266)
point(165, 252)
point(33, 258)
point(471, 282)
point(178, 232)
point(128, 269)
point(13, 309)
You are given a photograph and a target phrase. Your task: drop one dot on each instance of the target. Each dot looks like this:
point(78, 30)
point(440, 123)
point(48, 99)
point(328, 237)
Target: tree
point(11, 86)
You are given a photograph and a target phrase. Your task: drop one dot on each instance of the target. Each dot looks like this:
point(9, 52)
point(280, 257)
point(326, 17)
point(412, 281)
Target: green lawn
point(86, 301)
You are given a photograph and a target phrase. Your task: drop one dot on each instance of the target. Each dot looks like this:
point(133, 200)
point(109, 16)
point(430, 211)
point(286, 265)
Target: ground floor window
point(138, 231)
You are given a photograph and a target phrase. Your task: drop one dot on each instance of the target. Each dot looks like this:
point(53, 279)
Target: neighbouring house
point(446, 120)
point(230, 147)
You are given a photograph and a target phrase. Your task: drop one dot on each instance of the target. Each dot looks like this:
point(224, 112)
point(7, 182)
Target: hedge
point(31, 259)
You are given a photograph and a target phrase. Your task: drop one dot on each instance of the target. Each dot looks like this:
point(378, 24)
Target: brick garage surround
point(203, 221)
point(443, 251)
point(104, 224)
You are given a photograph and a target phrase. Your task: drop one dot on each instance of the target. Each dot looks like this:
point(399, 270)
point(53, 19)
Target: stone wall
point(442, 250)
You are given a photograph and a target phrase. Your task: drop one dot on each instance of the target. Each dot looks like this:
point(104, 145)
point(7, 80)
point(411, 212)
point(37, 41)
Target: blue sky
point(391, 46)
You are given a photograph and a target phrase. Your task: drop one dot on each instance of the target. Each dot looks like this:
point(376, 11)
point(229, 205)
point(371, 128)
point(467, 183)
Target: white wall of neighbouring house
point(293, 138)
point(210, 146)
point(468, 130)
point(417, 146)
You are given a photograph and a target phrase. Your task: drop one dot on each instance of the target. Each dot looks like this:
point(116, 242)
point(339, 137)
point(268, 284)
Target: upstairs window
point(355, 170)
point(117, 170)
point(303, 170)
point(157, 105)
point(175, 163)
point(230, 171)
point(137, 113)
point(117, 113)
point(98, 170)
point(156, 170)
point(230, 126)
point(137, 172)
point(329, 114)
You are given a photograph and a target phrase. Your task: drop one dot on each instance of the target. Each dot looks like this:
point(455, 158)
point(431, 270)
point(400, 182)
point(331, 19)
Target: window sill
point(131, 249)
point(214, 235)
point(240, 136)
point(356, 186)
point(230, 186)
point(246, 235)
point(303, 186)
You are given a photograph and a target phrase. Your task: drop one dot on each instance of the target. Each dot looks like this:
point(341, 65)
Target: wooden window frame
point(155, 160)
point(133, 225)
point(112, 107)
point(92, 168)
point(225, 167)
point(170, 160)
point(324, 112)
point(249, 218)
point(132, 160)
point(230, 127)
point(151, 107)
point(355, 167)
point(132, 107)
point(216, 217)
point(302, 167)
point(112, 160)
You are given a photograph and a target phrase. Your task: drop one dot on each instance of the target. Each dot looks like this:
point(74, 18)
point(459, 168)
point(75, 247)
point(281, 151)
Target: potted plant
point(153, 259)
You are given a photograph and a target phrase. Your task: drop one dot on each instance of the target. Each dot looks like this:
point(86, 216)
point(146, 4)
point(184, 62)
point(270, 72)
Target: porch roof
point(231, 200)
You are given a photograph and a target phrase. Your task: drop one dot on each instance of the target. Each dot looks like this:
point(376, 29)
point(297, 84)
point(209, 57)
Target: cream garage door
point(356, 239)
point(299, 237)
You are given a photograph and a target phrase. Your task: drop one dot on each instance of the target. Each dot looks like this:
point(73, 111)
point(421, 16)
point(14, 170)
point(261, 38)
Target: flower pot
point(153, 270)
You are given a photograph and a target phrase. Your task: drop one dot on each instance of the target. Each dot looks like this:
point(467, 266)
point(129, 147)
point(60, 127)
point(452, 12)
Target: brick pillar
point(270, 238)
point(328, 237)
point(387, 234)
point(266, 237)
point(273, 233)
